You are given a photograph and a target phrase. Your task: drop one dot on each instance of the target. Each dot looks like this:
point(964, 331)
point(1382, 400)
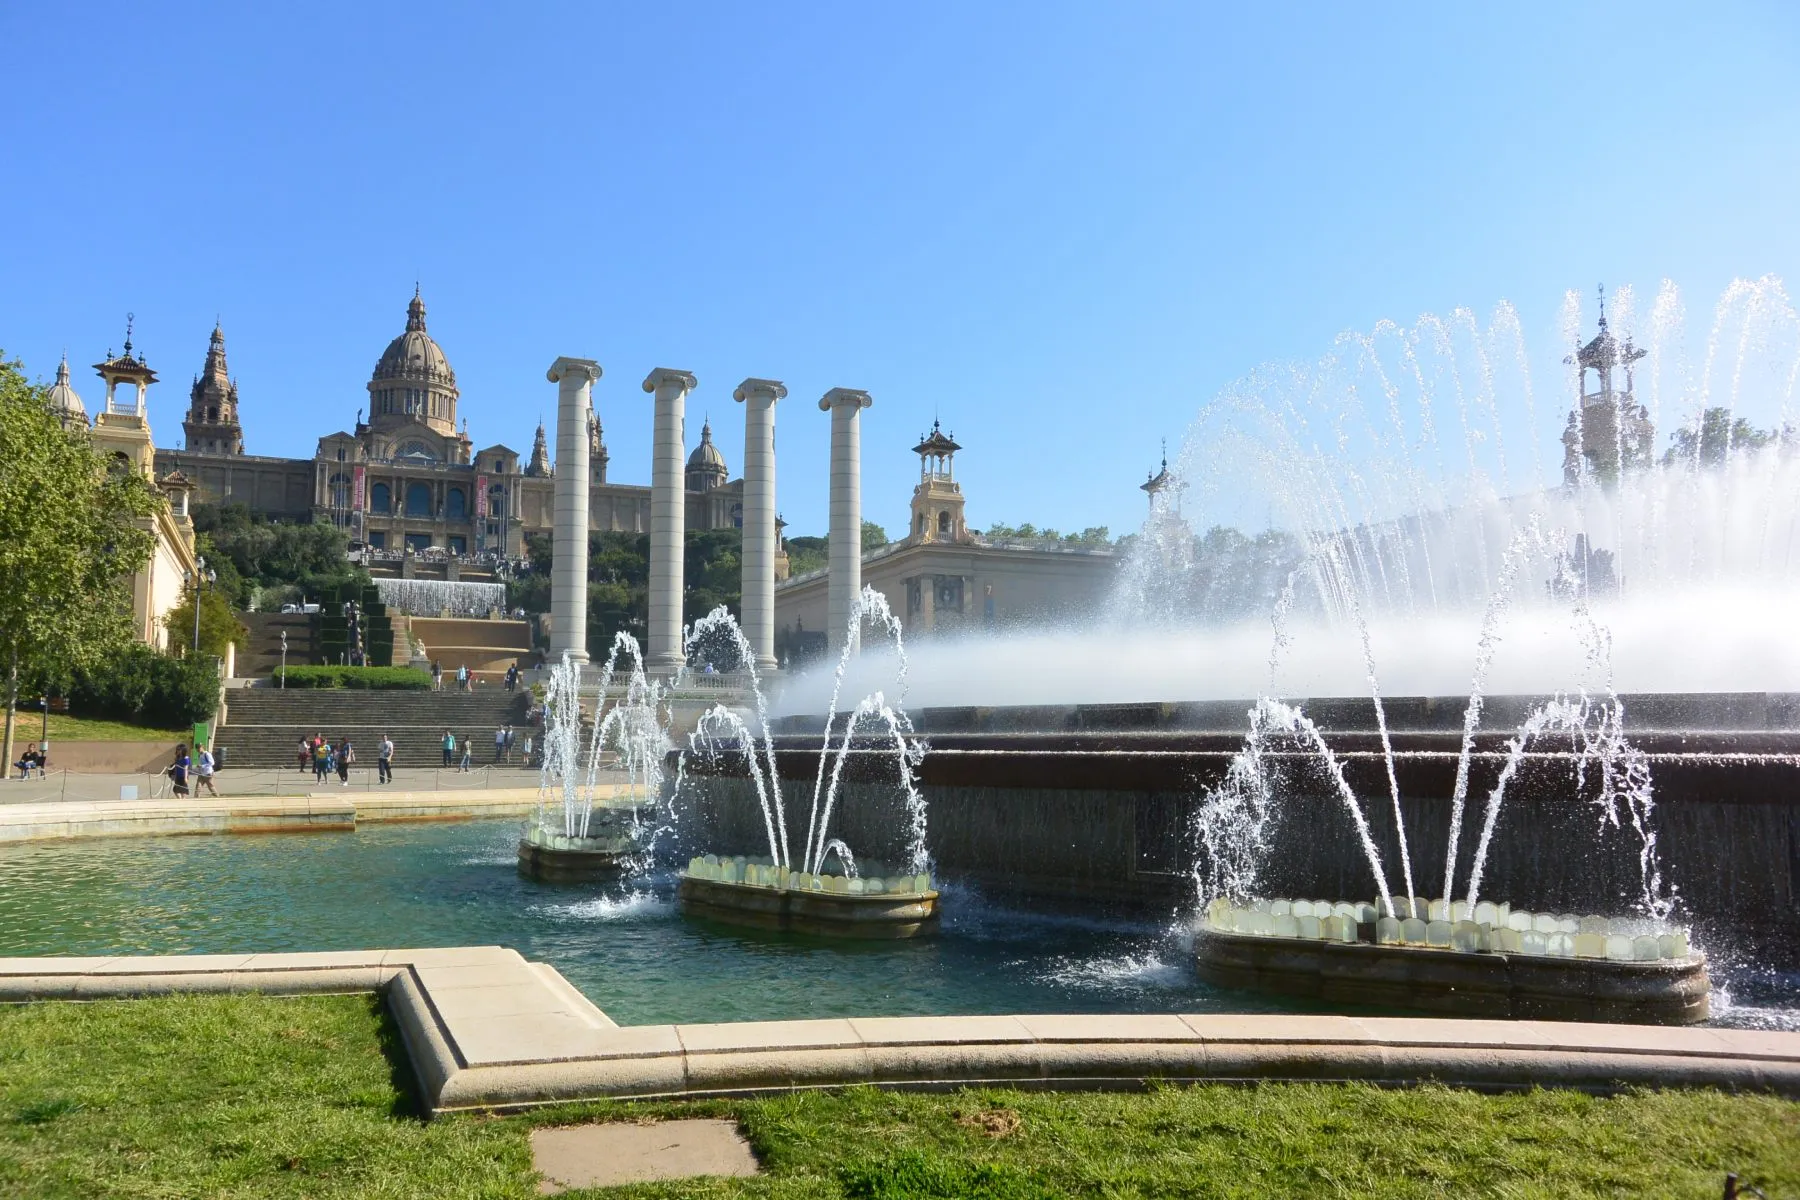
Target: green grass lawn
point(65, 728)
point(249, 1096)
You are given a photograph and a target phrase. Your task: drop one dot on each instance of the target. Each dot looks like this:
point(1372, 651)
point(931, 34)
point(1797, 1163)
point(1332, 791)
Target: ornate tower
point(1608, 432)
point(1164, 528)
point(212, 420)
point(596, 446)
point(540, 455)
point(122, 426)
point(937, 503)
point(413, 380)
point(705, 466)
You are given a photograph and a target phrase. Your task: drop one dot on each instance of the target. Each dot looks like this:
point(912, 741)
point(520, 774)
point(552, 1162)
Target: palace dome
point(414, 355)
point(64, 401)
point(706, 455)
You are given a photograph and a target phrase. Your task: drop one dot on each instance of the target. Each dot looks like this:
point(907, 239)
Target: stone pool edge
point(50, 820)
point(486, 1029)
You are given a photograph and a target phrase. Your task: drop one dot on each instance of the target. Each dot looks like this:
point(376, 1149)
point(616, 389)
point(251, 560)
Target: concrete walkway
point(487, 1029)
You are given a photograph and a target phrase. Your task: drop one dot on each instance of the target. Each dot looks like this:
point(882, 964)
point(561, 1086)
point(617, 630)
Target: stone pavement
point(485, 1029)
point(608, 1155)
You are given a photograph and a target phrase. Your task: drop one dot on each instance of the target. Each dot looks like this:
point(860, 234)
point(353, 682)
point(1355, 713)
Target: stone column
point(759, 397)
point(844, 582)
point(668, 517)
point(574, 379)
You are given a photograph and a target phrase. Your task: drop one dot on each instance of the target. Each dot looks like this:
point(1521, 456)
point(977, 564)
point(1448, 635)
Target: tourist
point(449, 746)
point(437, 676)
point(346, 754)
point(527, 760)
point(384, 761)
point(178, 770)
point(203, 772)
point(462, 677)
point(28, 761)
point(321, 759)
point(468, 744)
point(305, 752)
point(509, 744)
point(512, 677)
point(499, 744)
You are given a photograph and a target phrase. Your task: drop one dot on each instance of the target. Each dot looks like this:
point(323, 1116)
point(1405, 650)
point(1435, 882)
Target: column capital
point(844, 398)
point(663, 377)
point(585, 369)
point(774, 389)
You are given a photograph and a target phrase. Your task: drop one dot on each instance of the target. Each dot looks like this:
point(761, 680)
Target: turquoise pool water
point(627, 948)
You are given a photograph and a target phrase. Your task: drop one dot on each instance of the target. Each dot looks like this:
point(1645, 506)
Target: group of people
point(466, 682)
point(459, 753)
point(199, 767)
point(322, 757)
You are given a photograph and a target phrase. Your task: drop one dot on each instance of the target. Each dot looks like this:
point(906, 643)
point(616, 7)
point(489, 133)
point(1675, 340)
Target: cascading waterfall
point(439, 597)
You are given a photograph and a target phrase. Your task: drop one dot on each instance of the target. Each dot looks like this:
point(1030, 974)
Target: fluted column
point(668, 516)
point(758, 588)
point(574, 379)
point(844, 582)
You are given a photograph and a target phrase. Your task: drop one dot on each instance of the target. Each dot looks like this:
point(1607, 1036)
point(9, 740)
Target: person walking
point(468, 744)
point(499, 744)
point(321, 759)
point(384, 761)
point(305, 753)
point(346, 754)
point(527, 760)
point(178, 770)
point(512, 677)
point(462, 677)
point(506, 756)
point(449, 746)
point(204, 773)
point(437, 676)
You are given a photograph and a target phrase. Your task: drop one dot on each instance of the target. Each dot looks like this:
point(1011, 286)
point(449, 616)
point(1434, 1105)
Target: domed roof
point(414, 355)
point(64, 401)
point(706, 455)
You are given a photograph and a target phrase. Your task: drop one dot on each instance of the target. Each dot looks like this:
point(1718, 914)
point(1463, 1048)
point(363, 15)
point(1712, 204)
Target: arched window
point(497, 501)
point(456, 506)
point(418, 500)
point(944, 522)
point(381, 498)
point(921, 528)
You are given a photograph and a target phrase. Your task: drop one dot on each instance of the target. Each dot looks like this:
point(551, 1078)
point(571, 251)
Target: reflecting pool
point(628, 950)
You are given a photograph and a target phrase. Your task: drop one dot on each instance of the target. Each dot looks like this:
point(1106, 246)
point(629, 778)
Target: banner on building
point(357, 479)
point(481, 497)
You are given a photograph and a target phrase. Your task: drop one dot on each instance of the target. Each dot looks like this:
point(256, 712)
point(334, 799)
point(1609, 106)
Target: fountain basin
point(1668, 991)
point(550, 857)
point(886, 915)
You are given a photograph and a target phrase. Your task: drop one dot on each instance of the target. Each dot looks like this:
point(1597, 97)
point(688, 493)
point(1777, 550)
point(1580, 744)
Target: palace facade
point(408, 484)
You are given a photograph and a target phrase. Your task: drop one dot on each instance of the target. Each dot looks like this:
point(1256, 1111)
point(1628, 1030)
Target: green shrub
point(140, 685)
point(363, 678)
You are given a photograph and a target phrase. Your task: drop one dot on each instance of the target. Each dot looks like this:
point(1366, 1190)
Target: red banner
point(357, 480)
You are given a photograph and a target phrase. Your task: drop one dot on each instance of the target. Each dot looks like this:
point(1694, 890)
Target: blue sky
point(1059, 227)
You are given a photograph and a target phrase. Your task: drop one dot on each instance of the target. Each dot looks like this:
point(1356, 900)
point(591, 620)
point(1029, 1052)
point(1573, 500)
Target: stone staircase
point(262, 650)
point(263, 726)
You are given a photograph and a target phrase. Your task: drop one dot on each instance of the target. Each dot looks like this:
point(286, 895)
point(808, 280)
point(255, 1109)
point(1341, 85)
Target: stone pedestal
point(668, 517)
point(758, 589)
point(574, 379)
point(844, 582)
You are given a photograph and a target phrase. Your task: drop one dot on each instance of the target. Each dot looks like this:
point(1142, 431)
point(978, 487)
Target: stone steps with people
point(264, 726)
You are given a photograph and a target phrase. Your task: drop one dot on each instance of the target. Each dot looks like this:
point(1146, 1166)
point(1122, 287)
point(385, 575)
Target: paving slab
point(586, 1156)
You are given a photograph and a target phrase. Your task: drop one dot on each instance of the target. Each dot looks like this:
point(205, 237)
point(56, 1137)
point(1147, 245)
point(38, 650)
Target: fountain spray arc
point(737, 889)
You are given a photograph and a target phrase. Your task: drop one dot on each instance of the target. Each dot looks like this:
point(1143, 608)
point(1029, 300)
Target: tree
point(72, 536)
point(1719, 435)
point(218, 626)
point(874, 537)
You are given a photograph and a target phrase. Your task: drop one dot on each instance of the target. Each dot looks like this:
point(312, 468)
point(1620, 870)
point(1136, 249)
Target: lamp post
point(284, 660)
point(201, 578)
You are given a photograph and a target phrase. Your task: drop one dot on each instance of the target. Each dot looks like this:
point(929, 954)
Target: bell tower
point(937, 503)
point(212, 420)
point(122, 426)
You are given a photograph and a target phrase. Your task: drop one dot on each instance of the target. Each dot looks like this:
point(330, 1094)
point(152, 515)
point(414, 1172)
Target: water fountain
point(595, 831)
point(820, 890)
point(441, 598)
